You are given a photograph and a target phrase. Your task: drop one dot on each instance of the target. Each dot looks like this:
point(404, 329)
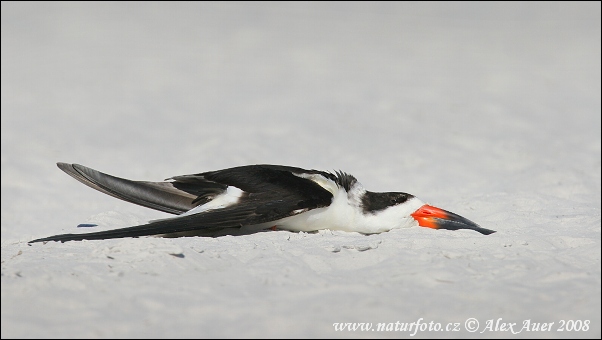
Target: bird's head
point(397, 206)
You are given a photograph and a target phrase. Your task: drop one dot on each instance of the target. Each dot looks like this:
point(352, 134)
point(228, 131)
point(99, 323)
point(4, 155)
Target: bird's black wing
point(271, 192)
point(163, 196)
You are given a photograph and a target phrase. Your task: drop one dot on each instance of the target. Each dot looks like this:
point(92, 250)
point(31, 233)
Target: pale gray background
point(490, 110)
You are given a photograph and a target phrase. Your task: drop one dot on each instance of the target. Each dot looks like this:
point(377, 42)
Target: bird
point(262, 197)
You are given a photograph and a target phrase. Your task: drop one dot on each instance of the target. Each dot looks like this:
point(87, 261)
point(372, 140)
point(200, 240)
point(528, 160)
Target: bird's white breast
point(346, 212)
point(339, 215)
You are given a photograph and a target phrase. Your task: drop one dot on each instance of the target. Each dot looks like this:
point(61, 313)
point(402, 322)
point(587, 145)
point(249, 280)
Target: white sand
point(491, 111)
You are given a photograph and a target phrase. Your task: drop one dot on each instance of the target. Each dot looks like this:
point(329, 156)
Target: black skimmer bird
point(258, 197)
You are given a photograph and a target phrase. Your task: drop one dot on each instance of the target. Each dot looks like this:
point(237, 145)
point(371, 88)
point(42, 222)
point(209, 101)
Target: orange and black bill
point(433, 217)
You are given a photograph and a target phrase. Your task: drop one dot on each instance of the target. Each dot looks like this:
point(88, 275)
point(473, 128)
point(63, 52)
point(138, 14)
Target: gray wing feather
point(161, 196)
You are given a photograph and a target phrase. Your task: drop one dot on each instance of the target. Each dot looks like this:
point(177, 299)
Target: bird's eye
point(397, 199)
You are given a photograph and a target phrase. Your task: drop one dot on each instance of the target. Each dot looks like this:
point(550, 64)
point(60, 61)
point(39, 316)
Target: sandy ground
point(491, 111)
